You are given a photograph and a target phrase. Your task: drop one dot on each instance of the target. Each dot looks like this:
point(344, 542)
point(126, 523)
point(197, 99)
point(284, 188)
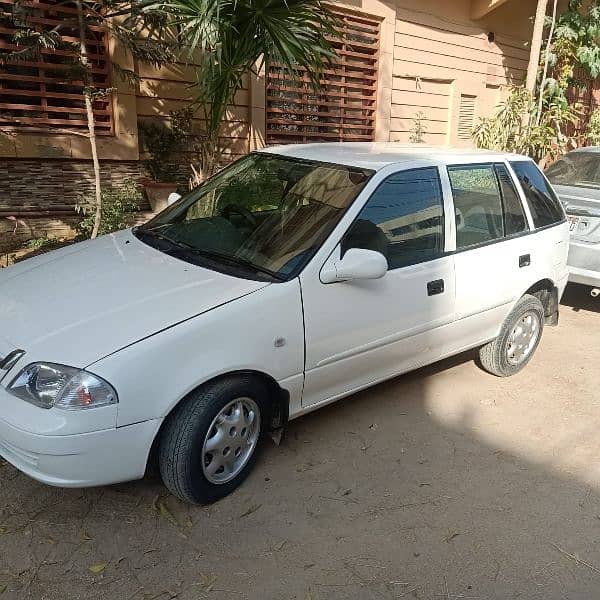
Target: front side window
point(403, 219)
point(265, 215)
point(545, 207)
point(486, 204)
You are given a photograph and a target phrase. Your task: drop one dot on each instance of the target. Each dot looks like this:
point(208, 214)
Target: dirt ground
point(446, 483)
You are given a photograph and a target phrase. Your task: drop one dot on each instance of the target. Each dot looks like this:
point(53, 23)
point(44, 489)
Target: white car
point(293, 278)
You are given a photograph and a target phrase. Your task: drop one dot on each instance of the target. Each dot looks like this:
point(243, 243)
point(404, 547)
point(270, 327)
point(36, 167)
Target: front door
point(361, 332)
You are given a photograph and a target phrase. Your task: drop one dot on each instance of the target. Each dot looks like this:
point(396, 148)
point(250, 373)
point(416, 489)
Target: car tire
point(518, 340)
point(208, 444)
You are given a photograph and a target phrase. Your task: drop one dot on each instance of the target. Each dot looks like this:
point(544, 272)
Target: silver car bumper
point(584, 263)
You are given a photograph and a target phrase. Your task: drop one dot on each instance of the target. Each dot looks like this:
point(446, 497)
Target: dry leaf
point(451, 535)
point(97, 567)
point(208, 581)
point(252, 509)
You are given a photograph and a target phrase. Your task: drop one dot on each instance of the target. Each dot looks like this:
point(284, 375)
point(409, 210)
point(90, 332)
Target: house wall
point(431, 53)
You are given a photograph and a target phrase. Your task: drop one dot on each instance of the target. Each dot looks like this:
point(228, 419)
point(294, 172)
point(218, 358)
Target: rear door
point(493, 256)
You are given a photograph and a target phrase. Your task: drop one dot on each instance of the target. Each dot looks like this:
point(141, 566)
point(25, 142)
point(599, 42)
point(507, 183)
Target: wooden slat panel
point(38, 95)
point(45, 121)
point(344, 107)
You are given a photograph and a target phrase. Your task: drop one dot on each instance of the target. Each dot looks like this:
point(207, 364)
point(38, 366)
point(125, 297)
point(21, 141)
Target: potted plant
point(160, 142)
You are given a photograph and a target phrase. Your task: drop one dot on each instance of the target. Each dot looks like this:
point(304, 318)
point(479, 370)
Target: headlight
point(48, 385)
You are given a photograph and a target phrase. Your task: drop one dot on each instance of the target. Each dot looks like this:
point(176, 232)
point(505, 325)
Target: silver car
point(576, 179)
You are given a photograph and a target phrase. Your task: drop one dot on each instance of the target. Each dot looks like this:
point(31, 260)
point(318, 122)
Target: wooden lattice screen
point(41, 94)
point(586, 95)
point(343, 109)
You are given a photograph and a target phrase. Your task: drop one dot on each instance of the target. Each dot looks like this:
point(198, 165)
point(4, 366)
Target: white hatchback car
point(293, 278)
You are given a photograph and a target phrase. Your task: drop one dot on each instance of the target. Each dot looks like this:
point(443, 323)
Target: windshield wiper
point(237, 260)
point(213, 255)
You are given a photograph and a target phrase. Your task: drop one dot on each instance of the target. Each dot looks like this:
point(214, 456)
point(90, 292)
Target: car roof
point(594, 149)
point(376, 155)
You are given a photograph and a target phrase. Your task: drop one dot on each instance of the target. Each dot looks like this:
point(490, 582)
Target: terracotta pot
point(157, 193)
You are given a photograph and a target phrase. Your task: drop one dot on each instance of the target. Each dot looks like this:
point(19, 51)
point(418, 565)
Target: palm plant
point(236, 37)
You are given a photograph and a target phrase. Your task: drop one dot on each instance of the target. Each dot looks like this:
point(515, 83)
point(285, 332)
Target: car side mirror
point(356, 264)
point(172, 198)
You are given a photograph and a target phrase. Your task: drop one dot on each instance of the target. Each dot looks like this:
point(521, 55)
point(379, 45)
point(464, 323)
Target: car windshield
point(262, 217)
point(576, 168)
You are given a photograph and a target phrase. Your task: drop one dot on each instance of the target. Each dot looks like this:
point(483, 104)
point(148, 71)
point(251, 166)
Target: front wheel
point(518, 339)
point(208, 444)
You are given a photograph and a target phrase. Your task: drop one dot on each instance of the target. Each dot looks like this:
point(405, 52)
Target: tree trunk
point(538, 116)
point(91, 121)
point(536, 46)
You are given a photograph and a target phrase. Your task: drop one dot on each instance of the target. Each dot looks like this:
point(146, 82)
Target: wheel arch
point(280, 399)
point(547, 293)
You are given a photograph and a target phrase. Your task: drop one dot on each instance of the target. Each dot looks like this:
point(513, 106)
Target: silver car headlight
point(49, 385)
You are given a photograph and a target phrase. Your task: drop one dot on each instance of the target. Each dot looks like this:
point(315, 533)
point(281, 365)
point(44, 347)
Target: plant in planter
point(161, 142)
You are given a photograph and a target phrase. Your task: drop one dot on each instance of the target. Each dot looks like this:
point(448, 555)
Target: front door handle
point(435, 287)
point(524, 260)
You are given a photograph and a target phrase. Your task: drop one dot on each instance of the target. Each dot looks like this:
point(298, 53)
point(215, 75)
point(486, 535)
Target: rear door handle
point(435, 287)
point(524, 260)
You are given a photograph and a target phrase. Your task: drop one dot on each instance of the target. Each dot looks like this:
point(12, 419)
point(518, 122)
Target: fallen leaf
point(277, 547)
point(3, 588)
point(451, 535)
point(251, 510)
point(86, 536)
point(97, 568)
point(208, 581)
point(163, 510)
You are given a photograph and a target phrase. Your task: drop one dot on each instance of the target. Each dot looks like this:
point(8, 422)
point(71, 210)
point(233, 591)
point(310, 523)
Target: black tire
point(494, 355)
point(183, 434)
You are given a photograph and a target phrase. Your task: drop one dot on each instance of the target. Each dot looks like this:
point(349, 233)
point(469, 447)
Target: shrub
point(593, 129)
point(117, 205)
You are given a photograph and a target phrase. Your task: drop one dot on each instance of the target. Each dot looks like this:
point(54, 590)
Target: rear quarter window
point(544, 205)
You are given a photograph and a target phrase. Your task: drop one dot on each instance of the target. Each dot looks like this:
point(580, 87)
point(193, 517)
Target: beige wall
point(431, 52)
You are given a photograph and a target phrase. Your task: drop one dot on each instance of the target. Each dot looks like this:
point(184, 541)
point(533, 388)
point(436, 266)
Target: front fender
point(263, 331)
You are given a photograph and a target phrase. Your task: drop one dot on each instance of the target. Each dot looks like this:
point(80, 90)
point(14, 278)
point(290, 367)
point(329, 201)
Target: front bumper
point(79, 460)
point(584, 263)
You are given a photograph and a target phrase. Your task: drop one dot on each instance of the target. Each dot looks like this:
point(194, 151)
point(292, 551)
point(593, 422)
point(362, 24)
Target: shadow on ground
point(446, 483)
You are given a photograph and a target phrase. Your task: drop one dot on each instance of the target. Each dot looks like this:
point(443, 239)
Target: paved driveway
point(447, 483)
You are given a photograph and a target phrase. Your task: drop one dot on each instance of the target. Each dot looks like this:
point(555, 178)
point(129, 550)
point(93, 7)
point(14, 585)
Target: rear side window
point(403, 219)
point(514, 216)
point(486, 203)
point(544, 205)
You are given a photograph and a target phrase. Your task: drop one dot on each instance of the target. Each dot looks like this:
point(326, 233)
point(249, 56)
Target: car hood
point(78, 304)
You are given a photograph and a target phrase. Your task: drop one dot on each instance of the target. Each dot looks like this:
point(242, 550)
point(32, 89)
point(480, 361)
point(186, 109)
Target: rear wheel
point(208, 444)
point(518, 340)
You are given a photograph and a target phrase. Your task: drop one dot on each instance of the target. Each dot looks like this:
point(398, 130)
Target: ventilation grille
point(343, 109)
point(466, 116)
point(42, 92)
